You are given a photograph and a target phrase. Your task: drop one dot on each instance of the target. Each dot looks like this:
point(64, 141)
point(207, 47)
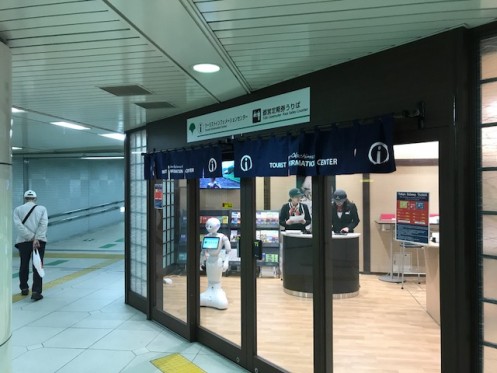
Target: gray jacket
point(36, 225)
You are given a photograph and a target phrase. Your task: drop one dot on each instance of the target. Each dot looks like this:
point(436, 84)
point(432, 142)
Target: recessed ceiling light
point(115, 136)
point(16, 148)
point(70, 125)
point(16, 110)
point(206, 68)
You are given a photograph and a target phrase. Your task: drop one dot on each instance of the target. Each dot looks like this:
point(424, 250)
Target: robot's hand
point(225, 265)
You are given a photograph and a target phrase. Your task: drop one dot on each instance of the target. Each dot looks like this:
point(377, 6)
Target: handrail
point(51, 222)
point(81, 210)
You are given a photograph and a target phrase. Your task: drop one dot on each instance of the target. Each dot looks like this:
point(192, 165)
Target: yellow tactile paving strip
point(111, 259)
point(176, 363)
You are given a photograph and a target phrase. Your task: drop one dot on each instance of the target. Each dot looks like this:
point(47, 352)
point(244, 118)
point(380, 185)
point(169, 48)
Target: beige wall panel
point(279, 190)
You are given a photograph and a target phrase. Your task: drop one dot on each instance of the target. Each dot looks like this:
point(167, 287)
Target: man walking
point(31, 222)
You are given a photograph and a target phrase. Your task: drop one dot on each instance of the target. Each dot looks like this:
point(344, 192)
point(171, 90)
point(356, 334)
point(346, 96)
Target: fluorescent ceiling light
point(70, 125)
point(102, 158)
point(16, 148)
point(206, 68)
point(16, 110)
point(115, 136)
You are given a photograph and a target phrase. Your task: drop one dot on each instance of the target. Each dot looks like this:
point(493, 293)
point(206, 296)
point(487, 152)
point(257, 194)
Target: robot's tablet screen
point(210, 243)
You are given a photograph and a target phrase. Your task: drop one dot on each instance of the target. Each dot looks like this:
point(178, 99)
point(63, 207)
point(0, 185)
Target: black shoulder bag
point(18, 245)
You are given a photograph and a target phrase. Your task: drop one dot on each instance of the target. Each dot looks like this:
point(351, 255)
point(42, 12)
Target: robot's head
point(212, 225)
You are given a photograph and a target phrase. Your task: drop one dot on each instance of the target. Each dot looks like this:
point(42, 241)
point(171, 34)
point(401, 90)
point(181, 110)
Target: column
point(6, 209)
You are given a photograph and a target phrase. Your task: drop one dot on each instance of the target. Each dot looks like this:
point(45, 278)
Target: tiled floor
point(83, 325)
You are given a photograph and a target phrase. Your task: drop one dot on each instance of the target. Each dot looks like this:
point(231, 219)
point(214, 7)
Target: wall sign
point(277, 111)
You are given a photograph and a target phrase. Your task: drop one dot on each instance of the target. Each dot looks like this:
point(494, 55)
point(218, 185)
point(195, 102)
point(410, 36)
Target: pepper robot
point(216, 262)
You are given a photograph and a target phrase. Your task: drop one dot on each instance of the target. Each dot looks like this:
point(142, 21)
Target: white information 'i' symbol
point(246, 163)
point(380, 151)
point(212, 165)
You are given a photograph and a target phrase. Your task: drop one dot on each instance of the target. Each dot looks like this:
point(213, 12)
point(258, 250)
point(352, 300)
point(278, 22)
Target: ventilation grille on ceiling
point(127, 90)
point(155, 105)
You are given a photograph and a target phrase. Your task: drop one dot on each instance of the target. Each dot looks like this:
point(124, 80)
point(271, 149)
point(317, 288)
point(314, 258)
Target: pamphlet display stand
point(418, 269)
point(267, 230)
point(387, 223)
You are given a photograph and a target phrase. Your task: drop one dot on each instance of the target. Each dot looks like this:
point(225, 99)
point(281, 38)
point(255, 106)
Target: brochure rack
point(267, 230)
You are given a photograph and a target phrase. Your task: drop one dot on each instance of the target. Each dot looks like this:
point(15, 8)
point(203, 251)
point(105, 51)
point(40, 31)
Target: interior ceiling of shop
point(64, 51)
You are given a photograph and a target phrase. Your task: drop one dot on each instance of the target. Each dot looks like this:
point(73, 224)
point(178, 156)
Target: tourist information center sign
point(277, 111)
point(412, 217)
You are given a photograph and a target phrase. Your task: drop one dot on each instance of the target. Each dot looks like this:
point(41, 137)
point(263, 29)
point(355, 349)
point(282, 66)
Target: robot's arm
point(203, 257)
point(226, 244)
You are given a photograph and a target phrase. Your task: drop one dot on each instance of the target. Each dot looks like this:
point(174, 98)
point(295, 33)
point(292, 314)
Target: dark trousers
point(25, 251)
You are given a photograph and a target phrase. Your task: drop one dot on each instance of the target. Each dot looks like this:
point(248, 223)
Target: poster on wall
point(158, 195)
point(412, 218)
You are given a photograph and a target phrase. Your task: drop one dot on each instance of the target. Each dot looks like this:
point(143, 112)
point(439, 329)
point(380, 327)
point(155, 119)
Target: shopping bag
point(37, 263)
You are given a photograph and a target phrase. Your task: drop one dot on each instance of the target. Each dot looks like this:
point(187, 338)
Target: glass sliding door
point(393, 322)
point(171, 274)
point(284, 304)
point(220, 270)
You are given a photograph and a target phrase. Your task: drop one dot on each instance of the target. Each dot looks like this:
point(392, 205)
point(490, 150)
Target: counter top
point(335, 236)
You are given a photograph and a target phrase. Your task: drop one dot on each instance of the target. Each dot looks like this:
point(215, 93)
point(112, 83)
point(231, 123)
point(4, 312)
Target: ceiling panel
point(62, 51)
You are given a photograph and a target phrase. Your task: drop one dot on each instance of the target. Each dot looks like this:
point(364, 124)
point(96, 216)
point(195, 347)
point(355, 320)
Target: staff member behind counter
point(344, 216)
point(295, 215)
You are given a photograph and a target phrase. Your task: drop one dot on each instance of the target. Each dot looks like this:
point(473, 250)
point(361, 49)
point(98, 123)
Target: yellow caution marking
point(72, 276)
point(176, 363)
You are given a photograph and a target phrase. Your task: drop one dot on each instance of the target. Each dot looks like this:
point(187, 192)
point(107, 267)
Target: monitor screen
point(210, 243)
point(227, 181)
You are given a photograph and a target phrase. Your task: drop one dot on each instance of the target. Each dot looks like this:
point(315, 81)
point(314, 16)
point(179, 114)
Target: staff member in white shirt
point(31, 222)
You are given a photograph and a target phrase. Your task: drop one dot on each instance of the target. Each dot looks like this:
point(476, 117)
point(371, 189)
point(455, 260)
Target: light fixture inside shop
point(102, 157)
point(16, 110)
point(16, 148)
point(115, 136)
point(206, 68)
point(70, 125)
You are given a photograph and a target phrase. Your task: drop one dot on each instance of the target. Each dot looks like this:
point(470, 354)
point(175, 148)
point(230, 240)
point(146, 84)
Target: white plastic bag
point(37, 263)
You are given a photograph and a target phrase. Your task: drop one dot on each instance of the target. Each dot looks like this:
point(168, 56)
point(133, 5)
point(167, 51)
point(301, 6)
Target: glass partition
point(138, 214)
point(488, 206)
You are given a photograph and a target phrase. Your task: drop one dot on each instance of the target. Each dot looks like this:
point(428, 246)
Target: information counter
point(343, 258)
